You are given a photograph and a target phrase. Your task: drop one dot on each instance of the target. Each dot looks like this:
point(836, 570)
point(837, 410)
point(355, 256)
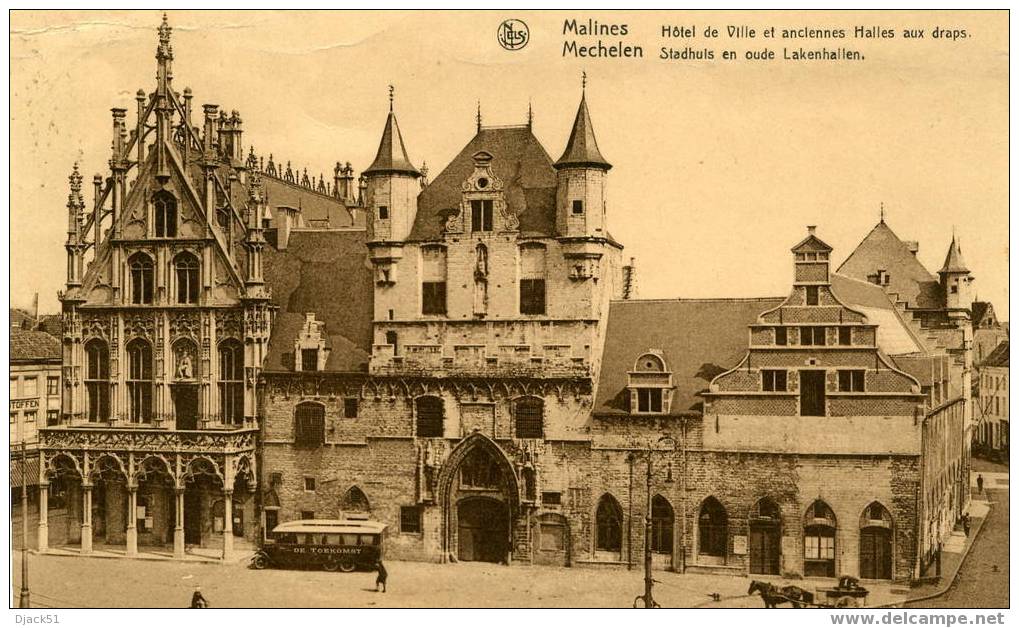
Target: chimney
point(913, 247)
point(287, 219)
point(811, 229)
point(35, 308)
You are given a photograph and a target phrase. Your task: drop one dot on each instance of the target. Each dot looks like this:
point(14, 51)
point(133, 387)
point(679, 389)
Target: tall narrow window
point(578, 207)
point(532, 279)
point(165, 206)
point(812, 298)
point(139, 381)
point(781, 336)
point(529, 413)
point(429, 417)
point(97, 381)
point(231, 382)
point(309, 359)
point(186, 267)
point(713, 528)
point(309, 425)
point(481, 215)
point(433, 280)
point(845, 335)
point(662, 523)
point(141, 279)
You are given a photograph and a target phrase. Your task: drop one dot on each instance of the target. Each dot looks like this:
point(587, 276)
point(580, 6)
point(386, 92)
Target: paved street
point(983, 577)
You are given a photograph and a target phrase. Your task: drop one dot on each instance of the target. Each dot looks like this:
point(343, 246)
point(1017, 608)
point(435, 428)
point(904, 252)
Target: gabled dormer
point(650, 384)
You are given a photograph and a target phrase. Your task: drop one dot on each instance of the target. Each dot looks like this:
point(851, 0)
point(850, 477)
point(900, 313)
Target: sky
point(718, 165)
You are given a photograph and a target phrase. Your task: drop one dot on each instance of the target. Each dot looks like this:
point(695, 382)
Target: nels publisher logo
point(513, 34)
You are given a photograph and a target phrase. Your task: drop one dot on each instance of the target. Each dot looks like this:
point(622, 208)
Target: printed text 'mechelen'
point(598, 48)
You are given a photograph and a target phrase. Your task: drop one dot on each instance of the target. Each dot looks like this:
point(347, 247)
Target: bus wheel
point(331, 565)
point(259, 562)
point(347, 566)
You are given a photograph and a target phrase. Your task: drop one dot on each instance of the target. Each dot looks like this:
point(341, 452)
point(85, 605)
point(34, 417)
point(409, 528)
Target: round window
point(482, 183)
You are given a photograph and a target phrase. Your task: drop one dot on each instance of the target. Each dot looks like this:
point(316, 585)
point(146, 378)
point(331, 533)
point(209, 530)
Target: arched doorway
point(712, 532)
point(876, 543)
point(765, 538)
point(482, 530)
point(608, 540)
point(662, 524)
point(479, 493)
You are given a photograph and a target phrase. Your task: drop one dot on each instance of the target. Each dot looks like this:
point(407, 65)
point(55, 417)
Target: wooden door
point(875, 553)
point(812, 393)
point(765, 549)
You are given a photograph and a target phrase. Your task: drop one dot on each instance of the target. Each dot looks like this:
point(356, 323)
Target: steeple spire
point(478, 117)
point(582, 147)
point(953, 261)
point(392, 155)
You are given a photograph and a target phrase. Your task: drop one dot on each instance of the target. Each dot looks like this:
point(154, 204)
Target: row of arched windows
point(819, 527)
point(142, 276)
point(140, 381)
point(429, 419)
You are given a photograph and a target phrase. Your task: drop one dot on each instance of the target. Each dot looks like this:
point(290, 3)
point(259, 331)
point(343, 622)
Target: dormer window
point(650, 385)
point(310, 350)
point(309, 359)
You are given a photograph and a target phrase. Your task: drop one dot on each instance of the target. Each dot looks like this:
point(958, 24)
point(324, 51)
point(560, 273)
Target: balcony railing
point(147, 439)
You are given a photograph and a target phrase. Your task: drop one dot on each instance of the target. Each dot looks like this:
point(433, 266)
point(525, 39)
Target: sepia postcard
point(510, 309)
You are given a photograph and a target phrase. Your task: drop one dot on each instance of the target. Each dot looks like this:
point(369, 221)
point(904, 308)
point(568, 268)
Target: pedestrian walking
point(965, 523)
point(383, 574)
point(980, 484)
point(198, 600)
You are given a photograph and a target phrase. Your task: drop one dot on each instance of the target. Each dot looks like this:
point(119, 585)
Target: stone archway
point(478, 482)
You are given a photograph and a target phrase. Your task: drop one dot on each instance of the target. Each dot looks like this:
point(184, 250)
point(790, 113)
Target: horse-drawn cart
point(849, 594)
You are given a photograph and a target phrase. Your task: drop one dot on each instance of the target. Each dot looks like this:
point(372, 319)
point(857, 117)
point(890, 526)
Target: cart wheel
point(259, 562)
point(846, 601)
point(347, 566)
point(330, 565)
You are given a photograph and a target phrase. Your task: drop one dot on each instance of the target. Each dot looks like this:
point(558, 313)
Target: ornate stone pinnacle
point(165, 50)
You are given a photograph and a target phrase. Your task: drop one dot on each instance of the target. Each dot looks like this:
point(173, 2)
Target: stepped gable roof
point(953, 260)
point(998, 357)
point(325, 272)
point(392, 156)
point(518, 159)
point(699, 338)
point(28, 345)
point(883, 250)
point(582, 147)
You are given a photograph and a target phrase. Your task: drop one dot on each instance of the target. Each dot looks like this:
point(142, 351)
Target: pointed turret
point(956, 279)
point(582, 147)
point(581, 174)
point(392, 156)
point(953, 261)
point(392, 186)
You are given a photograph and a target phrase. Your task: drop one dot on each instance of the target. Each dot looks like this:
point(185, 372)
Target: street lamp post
point(23, 602)
point(649, 601)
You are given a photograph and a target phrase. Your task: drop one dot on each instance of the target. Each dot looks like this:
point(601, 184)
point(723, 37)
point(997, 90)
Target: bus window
point(331, 539)
point(288, 538)
point(325, 539)
point(368, 539)
point(349, 539)
point(308, 539)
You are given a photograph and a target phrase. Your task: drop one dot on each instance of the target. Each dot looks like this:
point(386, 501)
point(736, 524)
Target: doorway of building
point(185, 406)
point(812, 393)
point(482, 530)
point(876, 553)
point(192, 517)
point(765, 548)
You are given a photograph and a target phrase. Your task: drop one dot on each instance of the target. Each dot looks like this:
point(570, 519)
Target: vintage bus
point(333, 544)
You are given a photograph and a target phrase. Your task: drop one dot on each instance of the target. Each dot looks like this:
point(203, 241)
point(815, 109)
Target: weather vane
point(391, 90)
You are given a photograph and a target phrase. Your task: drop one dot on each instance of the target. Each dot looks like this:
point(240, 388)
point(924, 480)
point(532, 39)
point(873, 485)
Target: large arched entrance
point(482, 529)
point(478, 491)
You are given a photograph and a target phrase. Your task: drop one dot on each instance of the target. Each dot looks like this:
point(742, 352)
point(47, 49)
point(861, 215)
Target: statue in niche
point(481, 281)
point(185, 363)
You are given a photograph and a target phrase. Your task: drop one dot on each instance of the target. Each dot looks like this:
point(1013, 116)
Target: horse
point(773, 596)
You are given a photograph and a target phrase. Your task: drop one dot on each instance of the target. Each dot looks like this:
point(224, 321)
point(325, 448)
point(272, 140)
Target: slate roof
point(998, 357)
point(392, 155)
point(894, 336)
point(883, 250)
point(33, 346)
point(582, 147)
point(328, 273)
point(518, 159)
point(317, 210)
point(699, 338)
